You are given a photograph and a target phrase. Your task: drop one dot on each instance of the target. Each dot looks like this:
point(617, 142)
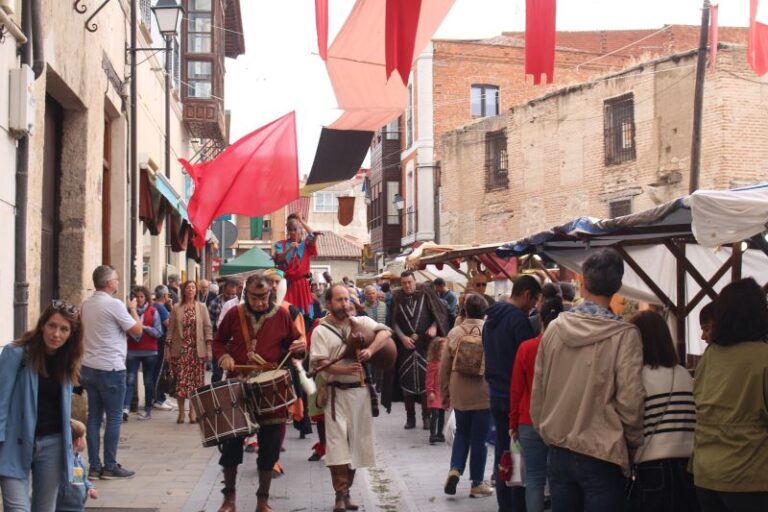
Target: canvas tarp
point(252, 259)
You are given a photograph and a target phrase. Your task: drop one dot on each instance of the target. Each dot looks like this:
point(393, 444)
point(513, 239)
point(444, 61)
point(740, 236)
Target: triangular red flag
point(714, 37)
point(540, 39)
point(255, 176)
point(321, 22)
point(757, 39)
point(402, 21)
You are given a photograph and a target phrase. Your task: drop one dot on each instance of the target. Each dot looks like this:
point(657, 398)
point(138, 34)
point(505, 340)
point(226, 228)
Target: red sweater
point(147, 341)
point(521, 383)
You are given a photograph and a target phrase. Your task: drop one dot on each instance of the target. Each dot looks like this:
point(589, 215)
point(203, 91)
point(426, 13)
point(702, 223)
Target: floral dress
point(189, 369)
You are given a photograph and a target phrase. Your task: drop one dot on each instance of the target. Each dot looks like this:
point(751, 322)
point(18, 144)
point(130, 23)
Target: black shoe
point(116, 473)
point(315, 457)
point(432, 439)
point(425, 425)
point(440, 438)
point(452, 482)
point(94, 474)
point(409, 424)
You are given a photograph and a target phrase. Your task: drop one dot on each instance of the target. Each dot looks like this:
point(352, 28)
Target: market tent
point(252, 259)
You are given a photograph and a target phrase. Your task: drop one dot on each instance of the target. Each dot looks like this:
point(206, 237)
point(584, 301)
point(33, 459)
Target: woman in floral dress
point(189, 339)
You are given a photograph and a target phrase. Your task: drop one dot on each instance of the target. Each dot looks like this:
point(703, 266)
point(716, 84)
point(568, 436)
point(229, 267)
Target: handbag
point(166, 381)
point(449, 431)
point(517, 476)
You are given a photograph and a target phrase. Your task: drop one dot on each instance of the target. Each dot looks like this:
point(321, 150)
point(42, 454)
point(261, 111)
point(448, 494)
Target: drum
point(269, 391)
point(223, 411)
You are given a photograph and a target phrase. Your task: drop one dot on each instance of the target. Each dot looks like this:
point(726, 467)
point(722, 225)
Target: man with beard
point(418, 315)
point(271, 334)
point(348, 418)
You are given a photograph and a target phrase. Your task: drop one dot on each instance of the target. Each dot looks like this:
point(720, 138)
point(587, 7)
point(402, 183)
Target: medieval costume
point(297, 270)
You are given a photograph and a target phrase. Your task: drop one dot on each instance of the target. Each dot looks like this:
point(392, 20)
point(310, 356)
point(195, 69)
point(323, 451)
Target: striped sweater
point(668, 422)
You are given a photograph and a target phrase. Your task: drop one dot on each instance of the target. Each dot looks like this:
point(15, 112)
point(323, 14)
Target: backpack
point(470, 356)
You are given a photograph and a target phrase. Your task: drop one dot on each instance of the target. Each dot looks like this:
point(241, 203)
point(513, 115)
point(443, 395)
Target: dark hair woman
point(189, 344)
point(37, 373)
point(663, 483)
point(730, 460)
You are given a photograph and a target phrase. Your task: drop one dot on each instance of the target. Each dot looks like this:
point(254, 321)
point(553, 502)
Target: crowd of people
point(601, 409)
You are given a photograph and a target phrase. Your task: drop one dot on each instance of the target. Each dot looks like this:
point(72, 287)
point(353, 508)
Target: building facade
point(604, 148)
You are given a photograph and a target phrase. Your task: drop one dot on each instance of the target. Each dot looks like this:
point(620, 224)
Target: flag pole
point(698, 99)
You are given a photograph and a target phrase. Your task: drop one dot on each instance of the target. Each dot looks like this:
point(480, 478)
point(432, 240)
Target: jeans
point(510, 499)
point(471, 428)
point(159, 393)
point(579, 482)
point(106, 391)
point(719, 501)
point(535, 453)
point(47, 472)
point(664, 486)
point(147, 369)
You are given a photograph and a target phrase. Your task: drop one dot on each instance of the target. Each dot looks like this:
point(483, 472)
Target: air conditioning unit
point(22, 101)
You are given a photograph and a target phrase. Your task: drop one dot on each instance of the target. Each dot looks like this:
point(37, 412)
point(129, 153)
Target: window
point(619, 129)
point(326, 202)
point(392, 130)
point(484, 100)
point(199, 79)
point(199, 32)
point(176, 65)
point(393, 215)
point(145, 9)
point(496, 160)
point(409, 118)
point(620, 208)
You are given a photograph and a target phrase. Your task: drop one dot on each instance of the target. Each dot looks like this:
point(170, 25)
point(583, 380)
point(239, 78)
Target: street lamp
point(167, 14)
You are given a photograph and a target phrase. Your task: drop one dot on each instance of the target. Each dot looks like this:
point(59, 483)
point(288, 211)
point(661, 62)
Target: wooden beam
point(680, 256)
point(712, 282)
point(539, 264)
point(737, 259)
point(679, 310)
point(646, 279)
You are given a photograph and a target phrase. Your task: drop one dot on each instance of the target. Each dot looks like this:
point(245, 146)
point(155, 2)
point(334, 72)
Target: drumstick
point(284, 360)
point(250, 367)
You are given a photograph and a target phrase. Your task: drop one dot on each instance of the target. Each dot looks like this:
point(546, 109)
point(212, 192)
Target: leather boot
point(410, 411)
point(424, 412)
point(339, 478)
point(350, 480)
point(230, 480)
point(262, 495)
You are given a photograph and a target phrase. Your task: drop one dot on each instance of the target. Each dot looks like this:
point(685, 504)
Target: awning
point(165, 188)
point(252, 259)
point(340, 153)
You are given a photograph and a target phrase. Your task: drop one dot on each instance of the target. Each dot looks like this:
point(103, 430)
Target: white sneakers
point(481, 491)
point(163, 406)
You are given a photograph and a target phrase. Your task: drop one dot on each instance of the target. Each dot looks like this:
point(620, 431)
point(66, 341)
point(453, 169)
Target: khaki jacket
point(588, 392)
point(176, 330)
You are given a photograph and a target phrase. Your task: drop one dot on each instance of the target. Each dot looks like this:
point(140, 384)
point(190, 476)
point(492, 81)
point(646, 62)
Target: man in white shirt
point(106, 322)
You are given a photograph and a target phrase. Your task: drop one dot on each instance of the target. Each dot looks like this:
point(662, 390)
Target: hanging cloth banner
point(321, 22)
point(402, 21)
point(340, 153)
point(255, 176)
point(713, 36)
point(757, 38)
point(257, 227)
point(346, 210)
point(540, 39)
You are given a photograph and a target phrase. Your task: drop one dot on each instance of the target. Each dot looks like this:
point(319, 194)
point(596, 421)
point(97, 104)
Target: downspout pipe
point(38, 63)
point(21, 285)
point(133, 157)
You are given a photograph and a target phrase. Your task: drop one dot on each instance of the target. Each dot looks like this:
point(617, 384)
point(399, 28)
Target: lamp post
point(167, 14)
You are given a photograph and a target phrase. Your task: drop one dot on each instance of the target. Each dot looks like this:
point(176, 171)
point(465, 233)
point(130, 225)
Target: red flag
point(321, 22)
point(757, 43)
point(713, 36)
point(402, 21)
point(540, 39)
point(254, 176)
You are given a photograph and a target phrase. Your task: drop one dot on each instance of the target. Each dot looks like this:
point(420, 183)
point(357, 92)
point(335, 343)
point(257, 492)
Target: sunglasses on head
point(65, 307)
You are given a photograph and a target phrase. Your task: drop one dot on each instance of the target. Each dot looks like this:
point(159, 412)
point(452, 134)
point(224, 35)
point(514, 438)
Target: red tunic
point(297, 267)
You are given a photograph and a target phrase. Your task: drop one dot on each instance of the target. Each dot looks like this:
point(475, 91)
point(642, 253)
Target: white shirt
point(105, 323)
point(327, 345)
point(226, 307)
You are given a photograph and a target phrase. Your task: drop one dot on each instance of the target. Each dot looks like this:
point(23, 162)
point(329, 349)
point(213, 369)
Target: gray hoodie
point(588, 389)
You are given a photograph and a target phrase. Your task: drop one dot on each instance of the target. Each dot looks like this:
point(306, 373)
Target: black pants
point(509, 499)
point(664, 486)
point(436, 421)
point(719, 501)
point(269, 449)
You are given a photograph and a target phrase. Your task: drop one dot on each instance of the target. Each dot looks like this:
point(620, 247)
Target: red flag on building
point(713, 36)
point(757, 41)
point(321, 22)
point(254, 176)
point(540, 39)
point(401, 23)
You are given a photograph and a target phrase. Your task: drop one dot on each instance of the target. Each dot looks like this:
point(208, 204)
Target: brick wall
point(557, 165)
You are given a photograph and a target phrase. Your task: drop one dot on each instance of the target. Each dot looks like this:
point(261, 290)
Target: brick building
point(603, 148)
point(454, 82)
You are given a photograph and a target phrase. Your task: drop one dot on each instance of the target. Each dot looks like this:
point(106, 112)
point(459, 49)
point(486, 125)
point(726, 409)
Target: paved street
point(174, 473)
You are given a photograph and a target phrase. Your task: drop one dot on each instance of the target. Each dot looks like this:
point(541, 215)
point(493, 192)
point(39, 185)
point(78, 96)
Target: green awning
point(257, 227)
point(252, 259)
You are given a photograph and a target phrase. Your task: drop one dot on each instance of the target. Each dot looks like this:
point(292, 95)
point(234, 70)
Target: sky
point(281, 70)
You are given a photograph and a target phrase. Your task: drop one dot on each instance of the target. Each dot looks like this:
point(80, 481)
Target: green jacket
point(730, 452)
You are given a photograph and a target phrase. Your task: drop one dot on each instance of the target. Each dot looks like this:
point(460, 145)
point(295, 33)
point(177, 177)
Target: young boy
point(72, 496)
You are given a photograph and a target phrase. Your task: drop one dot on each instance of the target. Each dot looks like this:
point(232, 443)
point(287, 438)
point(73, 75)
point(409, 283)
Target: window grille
point(619, 129)
point(145, 8)
point(620, 208)
point(496, 160)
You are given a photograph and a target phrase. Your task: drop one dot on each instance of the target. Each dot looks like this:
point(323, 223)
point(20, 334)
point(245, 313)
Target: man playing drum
point(348, 419)
point(257, 331)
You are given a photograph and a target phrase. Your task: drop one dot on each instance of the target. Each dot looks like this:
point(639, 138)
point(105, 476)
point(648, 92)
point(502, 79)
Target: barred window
point(619, 129)
point(496, 160)
point(145, 8)
point(619, 208)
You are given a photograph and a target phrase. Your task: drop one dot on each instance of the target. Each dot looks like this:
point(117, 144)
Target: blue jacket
point(18, 415)
point(505, 328)
point(72, 496)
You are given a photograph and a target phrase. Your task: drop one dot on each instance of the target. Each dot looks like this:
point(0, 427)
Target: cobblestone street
point(174, 473)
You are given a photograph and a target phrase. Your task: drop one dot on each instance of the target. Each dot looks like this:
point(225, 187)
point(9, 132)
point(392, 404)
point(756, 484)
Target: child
point(434, 400)
point(72, 495)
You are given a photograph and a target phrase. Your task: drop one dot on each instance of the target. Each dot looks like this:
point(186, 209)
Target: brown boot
point(339, 478)
point(230, 480)
point(262, 495)
point(410, 411)
point(350, 480)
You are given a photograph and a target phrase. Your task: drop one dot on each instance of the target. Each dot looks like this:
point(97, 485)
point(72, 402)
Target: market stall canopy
point(252, 259)
point(431, 255)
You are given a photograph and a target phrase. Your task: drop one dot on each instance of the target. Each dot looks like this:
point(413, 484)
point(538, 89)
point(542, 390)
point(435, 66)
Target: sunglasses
point(481, 285)
point(65, 307)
